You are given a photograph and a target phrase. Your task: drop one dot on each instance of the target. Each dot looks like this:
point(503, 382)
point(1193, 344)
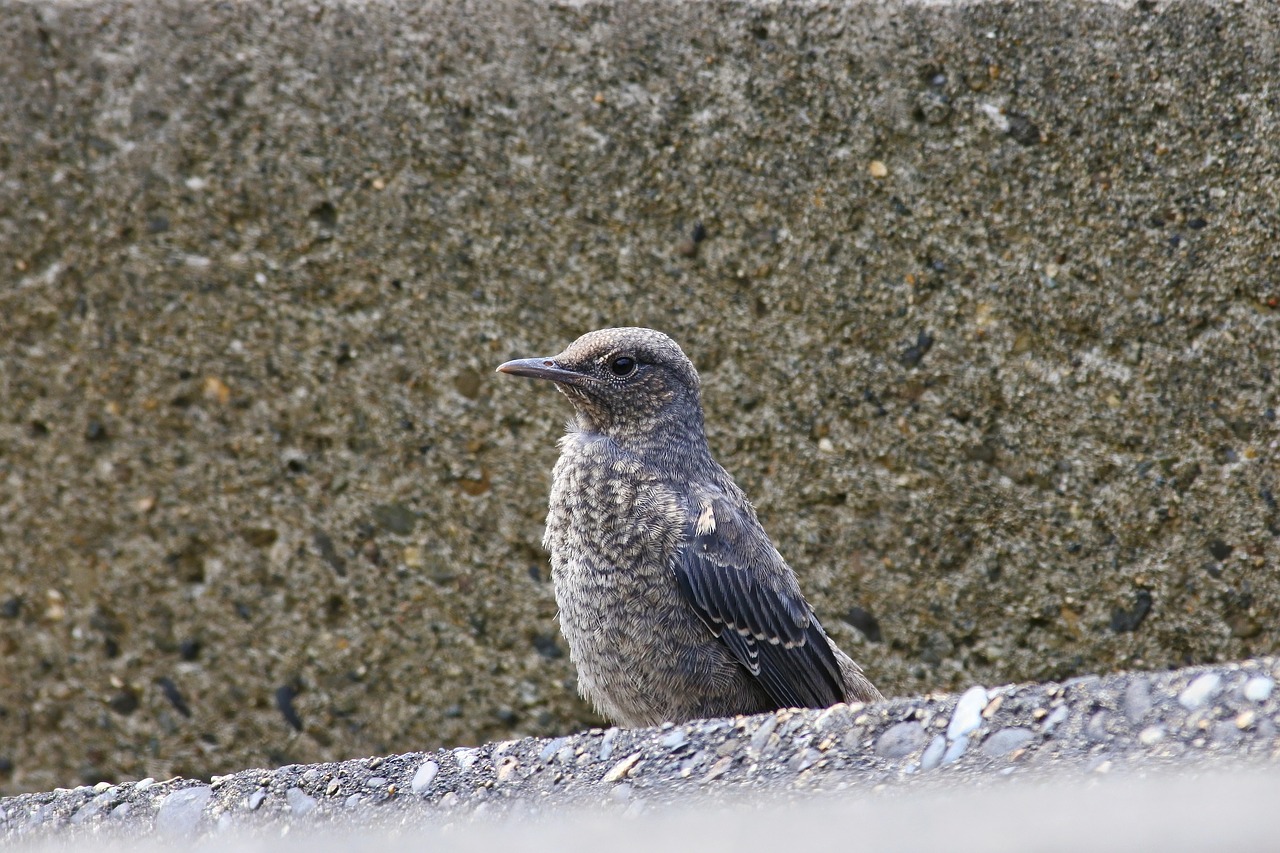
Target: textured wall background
point(985, 299)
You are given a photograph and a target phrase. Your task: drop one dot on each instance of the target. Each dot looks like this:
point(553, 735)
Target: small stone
point(1246, 719)
point(622, 768)
point(1226, 733)
point(122, 811)
point(86, 812)
point(1137, 700)
point(804, 760)
point(332, 788)
point(1151, 735)
point(692, 763)
point(852, 740)
point(466, 757)
point(352, 801)
point(216, 391)
point(606, 743)
point(255, 799)
point(507, 768)
point(878, 169)
point(1258, 688)
point(181, 811)
point(761, 735)
point(548, 752)
point(933, 753)
point(899, 741)
point(424, 777)
point(675, 739)
point(1096, 728)
point(395, 518)
point(621, 793)
point(1006, 741)
point(375, 782)
point(1199, 691)
point(956, 749)
point(834, 718)
point(1056, 718)
point(967, 715)
point(300, 801)
point(719, 768)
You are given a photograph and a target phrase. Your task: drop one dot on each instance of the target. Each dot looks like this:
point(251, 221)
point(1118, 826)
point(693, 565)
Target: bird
point(672, 598)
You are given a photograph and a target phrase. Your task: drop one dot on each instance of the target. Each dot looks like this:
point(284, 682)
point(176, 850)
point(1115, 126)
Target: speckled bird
point(673, 600)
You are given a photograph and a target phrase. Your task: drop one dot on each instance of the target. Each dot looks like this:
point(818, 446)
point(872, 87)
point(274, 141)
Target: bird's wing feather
point(739, 585)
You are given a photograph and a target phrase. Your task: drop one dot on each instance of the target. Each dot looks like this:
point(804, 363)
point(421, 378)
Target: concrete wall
point(985, 298)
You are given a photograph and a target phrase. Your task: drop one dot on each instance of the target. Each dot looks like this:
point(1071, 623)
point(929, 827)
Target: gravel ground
point(1128, 724)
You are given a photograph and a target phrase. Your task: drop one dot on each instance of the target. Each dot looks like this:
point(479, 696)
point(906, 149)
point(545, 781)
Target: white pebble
point(1258, 688)
point(957, 748)
point(932, 756)
point(1151, 735)
point(968, 713)
point(300, 801)
point(1199, 691)
point(424, 777)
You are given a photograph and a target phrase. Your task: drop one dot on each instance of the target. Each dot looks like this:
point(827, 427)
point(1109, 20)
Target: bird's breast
point(609, 512)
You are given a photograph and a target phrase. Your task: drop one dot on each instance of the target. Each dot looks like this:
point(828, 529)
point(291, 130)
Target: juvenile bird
point(673, 600)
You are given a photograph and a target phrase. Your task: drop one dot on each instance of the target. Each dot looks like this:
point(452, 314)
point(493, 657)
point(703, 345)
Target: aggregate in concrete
point(1184, 722)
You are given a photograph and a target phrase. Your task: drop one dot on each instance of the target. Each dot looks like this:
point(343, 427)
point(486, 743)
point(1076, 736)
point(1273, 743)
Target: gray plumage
point(673, 600)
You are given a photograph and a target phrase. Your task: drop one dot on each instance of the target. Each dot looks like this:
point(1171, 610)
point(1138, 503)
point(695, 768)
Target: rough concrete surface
point(985, 299)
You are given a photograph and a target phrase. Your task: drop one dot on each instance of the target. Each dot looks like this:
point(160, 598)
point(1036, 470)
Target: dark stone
point(1023, 130)
point(395, 518)
point(328, 553)
point(125, 702)
point(865, 622)
point(285, 694)
point(547, 646)
point(912, 355)
point(171, 692)
point(260, 537)
point(1126, 620)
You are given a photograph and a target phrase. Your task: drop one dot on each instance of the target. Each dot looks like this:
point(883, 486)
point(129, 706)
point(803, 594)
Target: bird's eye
point(622, 365)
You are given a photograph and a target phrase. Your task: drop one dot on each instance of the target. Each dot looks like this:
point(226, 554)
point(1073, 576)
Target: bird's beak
point(542, 368)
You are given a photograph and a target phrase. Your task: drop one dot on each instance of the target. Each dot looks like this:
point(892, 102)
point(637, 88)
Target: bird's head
point(629, 383)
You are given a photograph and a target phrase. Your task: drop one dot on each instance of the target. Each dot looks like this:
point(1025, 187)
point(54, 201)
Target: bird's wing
point(734, 578)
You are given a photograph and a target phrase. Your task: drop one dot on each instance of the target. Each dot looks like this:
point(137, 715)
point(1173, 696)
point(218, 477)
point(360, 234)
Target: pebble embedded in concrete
point(967, 715)
point(1199, 691)
point(181, 811)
